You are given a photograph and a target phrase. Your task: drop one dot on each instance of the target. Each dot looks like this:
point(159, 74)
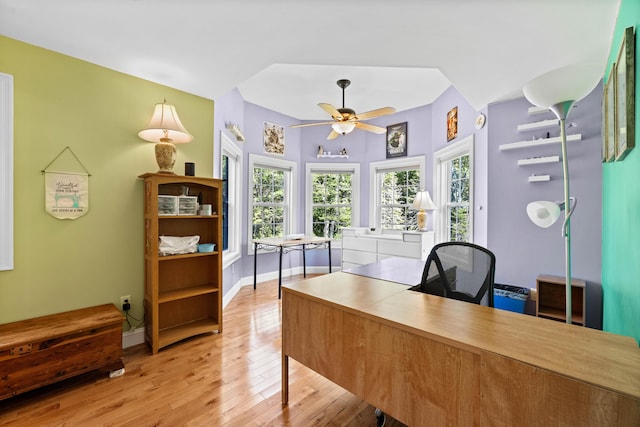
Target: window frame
point(375, 182)
point(291, 179)
point(353, 168)
point(440, 179)
point(234, 188)
point(6, 172)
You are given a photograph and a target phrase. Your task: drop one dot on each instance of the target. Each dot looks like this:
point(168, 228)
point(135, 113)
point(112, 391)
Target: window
point(394, 185)
point(231, 173)
point(6, 172)
point(453, 168)
point(333, 198)
point(272, 193)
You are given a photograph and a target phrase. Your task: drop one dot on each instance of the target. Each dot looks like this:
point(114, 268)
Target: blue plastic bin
point(510, 298)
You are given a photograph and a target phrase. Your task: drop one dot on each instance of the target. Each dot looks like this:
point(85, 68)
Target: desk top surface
point(600, 358)
point(280, 241)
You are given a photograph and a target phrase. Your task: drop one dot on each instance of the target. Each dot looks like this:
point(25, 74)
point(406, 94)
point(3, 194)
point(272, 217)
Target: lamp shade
point(343, 127)
point(423, 201)
point(543, 214)
point(570, 83)
point(165, 126)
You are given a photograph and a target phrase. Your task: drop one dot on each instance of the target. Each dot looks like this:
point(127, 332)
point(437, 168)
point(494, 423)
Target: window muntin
point(394, 184)
point(457, 207)
point(269, 207)
point(272, 190)
point(398, 190)
point(332, 198)
point(331, 208)
point(453, 188)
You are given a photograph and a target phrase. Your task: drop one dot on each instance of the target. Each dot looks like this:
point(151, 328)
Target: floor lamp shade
point(543, 214)
point(570, 83)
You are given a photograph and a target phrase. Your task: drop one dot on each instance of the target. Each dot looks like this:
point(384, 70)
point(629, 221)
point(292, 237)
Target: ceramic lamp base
point(166, 155)
point(422, 220)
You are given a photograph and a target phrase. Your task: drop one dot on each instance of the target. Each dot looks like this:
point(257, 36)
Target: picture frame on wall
point(624, 70)
point(608, 120)
point(397, 140)
point(452, 124)
point(273, 139)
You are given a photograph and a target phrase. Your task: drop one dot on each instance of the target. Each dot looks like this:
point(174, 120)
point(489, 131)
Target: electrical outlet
point(125, 300)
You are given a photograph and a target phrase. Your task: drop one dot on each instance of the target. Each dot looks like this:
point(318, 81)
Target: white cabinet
point(360, 247)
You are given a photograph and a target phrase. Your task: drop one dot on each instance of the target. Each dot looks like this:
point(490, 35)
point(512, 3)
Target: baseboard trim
point(133, 338)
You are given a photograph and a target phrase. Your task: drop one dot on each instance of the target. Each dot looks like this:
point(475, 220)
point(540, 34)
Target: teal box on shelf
point(510, 298)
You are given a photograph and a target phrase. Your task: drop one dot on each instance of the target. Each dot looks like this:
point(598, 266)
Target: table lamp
point(423, 203)
point(165, 129)
point(558, 90)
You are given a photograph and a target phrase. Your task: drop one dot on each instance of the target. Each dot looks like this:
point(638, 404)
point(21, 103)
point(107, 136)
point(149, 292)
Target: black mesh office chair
point(459, 270)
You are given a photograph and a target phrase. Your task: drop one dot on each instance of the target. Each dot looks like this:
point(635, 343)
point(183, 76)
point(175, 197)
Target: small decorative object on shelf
point(320, 150)
point(343, 152)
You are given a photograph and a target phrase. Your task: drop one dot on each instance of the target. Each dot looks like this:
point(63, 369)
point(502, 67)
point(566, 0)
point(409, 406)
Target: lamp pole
point(561, 110)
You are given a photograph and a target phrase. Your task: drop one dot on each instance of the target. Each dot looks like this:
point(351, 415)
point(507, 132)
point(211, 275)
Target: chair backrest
point(460, 270)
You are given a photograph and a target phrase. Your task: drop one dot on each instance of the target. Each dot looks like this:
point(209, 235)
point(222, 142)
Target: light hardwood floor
point(228, 379)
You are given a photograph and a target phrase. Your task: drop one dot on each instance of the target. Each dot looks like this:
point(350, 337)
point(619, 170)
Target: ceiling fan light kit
point(345, 120)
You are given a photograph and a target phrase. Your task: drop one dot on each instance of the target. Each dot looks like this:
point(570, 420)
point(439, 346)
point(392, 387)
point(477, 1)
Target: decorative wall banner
point(66, 194)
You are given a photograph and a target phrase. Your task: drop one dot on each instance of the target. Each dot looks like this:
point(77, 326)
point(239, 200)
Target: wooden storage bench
point(41, 351)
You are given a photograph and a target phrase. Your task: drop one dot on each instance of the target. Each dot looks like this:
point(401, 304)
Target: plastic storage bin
point(510, 298)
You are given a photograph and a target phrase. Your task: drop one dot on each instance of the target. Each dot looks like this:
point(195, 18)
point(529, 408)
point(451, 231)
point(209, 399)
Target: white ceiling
point(286, 55)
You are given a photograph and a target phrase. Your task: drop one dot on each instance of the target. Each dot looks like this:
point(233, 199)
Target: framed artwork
point(273, 139)
point(608, 120)
point(624, 69)
point(452, 124)
point(397, 140)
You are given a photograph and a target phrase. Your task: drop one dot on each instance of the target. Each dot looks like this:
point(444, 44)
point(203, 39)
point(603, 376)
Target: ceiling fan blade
point(311, 124)
point(375, 113)
point(333, 111)
point(333, 135)
point(370, 128)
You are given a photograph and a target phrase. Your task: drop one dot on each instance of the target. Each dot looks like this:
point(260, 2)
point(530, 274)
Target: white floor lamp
point(558, 90)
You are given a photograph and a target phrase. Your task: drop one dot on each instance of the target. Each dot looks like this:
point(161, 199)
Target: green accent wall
point(60, 101)
point(621, 212)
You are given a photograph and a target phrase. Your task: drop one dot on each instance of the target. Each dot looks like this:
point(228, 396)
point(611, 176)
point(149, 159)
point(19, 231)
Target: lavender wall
point(501, 190)
point(523, 250)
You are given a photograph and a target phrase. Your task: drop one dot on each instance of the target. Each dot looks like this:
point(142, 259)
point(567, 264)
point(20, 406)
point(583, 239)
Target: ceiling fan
point(346, 119)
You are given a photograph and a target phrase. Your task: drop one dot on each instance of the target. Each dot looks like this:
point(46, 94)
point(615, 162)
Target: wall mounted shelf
point(537, 110)
point(332, 156)
point(539, 178)
point(543, 124)
point(536, 142)
point(538, 160)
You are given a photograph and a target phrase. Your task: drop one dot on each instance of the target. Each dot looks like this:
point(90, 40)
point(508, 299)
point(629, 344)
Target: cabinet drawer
point(399, 248)
point(358, 257)
point(360, 244)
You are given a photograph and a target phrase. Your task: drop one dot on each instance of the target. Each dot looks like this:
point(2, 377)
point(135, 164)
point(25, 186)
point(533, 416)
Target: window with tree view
point(331, 203)
point(269, 203)
point(458, 203)
point(398, 190)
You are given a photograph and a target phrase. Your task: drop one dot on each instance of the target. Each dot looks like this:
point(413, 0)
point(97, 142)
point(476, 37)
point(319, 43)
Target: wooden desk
point(284, 245)
point(427, 360)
